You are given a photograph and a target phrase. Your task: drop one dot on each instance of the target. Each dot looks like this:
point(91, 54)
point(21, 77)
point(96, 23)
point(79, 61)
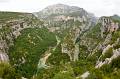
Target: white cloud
point(2, 1)
point(98, 7)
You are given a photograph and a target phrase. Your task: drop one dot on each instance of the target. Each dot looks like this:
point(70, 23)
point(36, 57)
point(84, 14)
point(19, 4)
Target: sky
point(97, 7)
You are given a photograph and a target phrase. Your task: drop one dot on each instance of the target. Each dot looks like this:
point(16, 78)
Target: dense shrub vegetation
point(28, 48)
point(8, 72)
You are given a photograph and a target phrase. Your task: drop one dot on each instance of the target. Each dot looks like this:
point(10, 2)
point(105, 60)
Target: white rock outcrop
point(116, 53)
point(85, 75)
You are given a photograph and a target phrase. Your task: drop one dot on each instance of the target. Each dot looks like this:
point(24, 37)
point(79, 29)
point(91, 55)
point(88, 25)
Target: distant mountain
point(116, 18)
point(65, 12)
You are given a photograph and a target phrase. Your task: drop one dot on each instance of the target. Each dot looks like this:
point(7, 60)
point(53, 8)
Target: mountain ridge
point(61, 9)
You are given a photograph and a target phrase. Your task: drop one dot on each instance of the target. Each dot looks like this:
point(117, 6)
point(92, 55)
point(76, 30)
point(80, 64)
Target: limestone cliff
point(60, 16)
point(10, 29)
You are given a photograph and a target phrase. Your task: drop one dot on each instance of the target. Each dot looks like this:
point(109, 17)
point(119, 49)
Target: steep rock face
point(60, 9)
point(10, 29)
point(3, 47)
point(69, 44)
point(102, 34)
point(3, 57)
point(102, 41)
point(109, 53)
point(63, 16)
point(116, 53)
point(108, 25)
